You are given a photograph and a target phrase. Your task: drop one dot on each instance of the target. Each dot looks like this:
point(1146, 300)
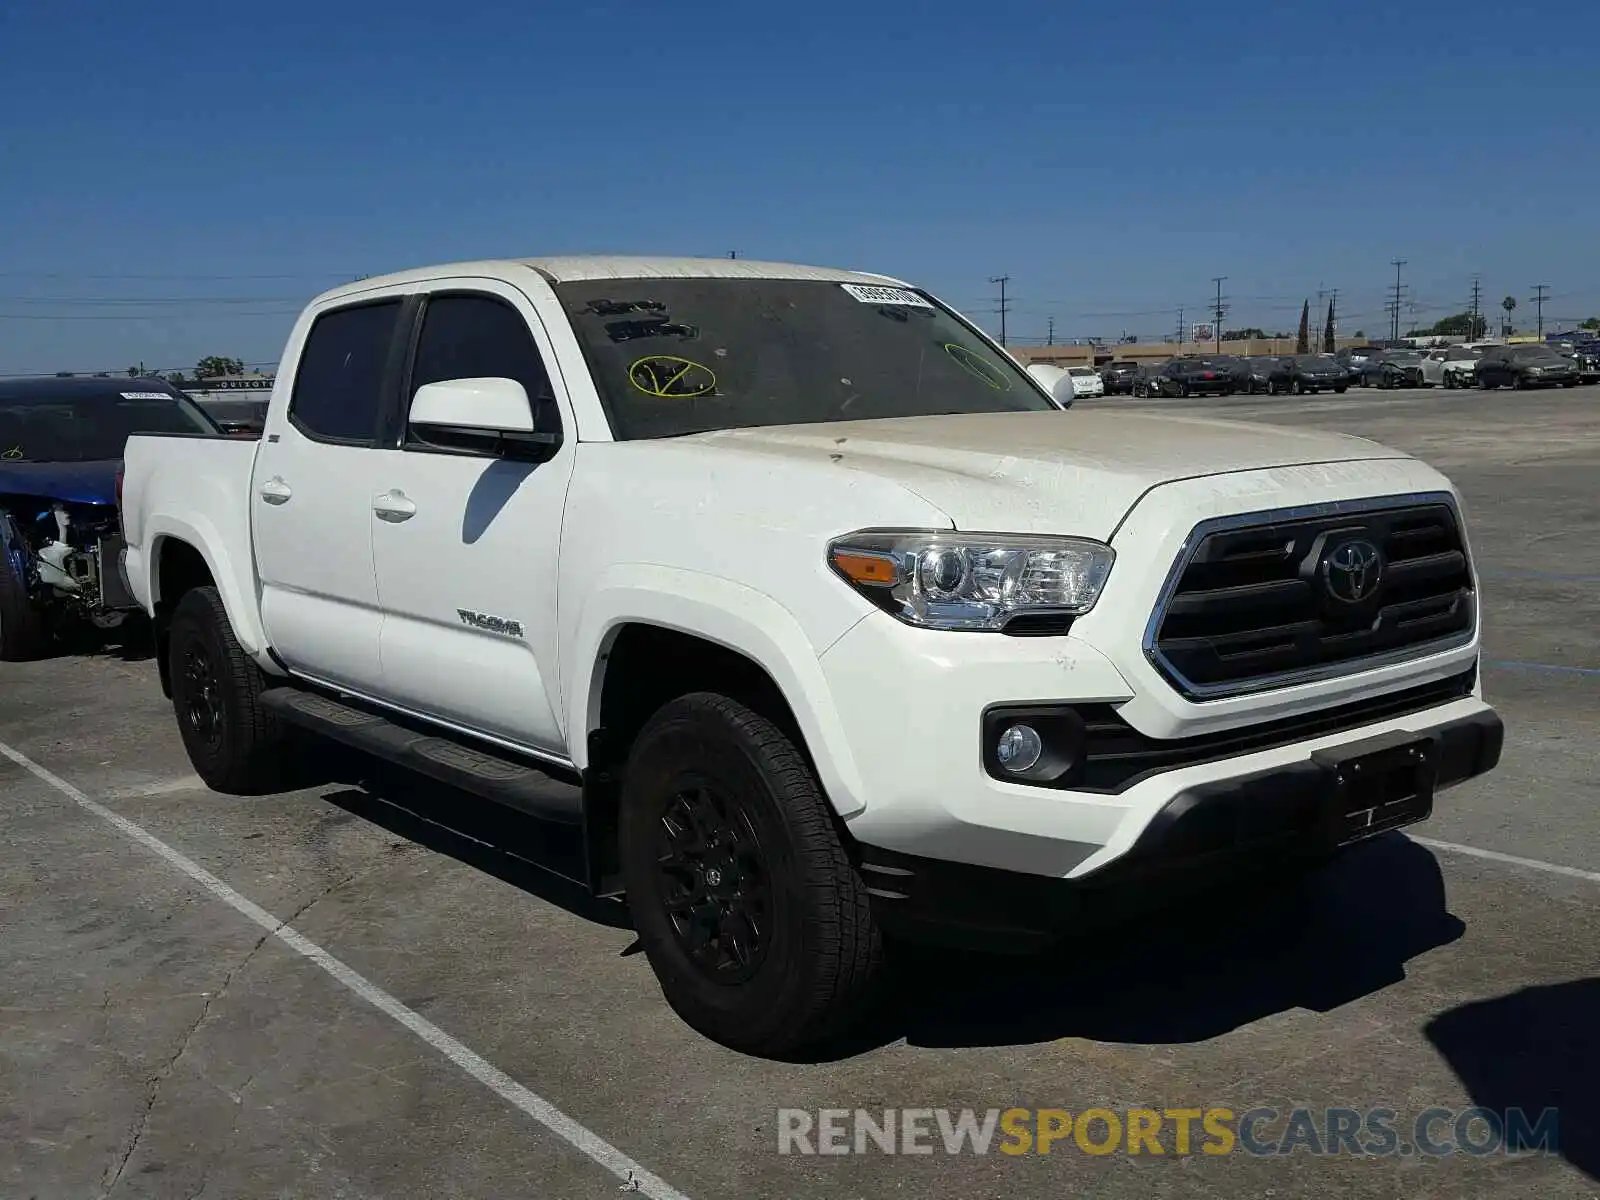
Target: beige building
point(1158, 352)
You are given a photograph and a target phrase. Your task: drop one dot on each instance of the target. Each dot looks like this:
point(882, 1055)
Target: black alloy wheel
point(201, 704)
point(234, 743)
point(715, 884)
point(747, 906)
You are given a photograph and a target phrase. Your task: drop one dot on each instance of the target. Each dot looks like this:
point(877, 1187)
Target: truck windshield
point(89, 428)
point(680, 356)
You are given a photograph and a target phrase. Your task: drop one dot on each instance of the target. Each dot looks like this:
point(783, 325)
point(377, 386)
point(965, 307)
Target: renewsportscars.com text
point(1432, 1132)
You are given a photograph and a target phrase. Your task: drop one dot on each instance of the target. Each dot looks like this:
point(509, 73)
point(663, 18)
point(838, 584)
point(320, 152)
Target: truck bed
point(197, 489)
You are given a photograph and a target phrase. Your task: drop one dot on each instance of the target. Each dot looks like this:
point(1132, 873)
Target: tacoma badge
point(490, 623)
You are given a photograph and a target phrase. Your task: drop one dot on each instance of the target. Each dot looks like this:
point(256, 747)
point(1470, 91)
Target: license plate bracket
point(1376, 785)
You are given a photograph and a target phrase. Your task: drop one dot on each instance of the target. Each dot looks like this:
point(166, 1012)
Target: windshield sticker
point(989, 372)
point(884, 295)
point(145, 396)
point(671, 378)
point(626, 331)
point(617, 308)
point(14, 453)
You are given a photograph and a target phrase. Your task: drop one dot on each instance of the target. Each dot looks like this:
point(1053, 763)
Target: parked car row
point(1480, 364)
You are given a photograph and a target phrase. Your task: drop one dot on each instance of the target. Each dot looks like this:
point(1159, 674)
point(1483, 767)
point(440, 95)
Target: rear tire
point(756, 924)
point(23, 636)
point(235, 744)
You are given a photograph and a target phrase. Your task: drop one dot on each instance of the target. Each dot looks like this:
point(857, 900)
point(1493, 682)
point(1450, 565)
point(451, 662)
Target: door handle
point(276, 491)
point(394, 506)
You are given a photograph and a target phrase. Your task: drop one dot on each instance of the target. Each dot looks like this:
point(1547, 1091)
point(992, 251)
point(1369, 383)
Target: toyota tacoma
point(805, 610)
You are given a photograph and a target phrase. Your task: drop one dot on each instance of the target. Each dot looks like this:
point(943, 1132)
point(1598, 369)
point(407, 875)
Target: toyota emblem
point(1352, 570)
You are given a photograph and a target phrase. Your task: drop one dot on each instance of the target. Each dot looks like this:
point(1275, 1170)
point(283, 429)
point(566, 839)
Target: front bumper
point(1298, 811)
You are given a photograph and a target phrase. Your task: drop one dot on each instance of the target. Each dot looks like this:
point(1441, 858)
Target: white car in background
point(1086, 381)
point(1451, 366)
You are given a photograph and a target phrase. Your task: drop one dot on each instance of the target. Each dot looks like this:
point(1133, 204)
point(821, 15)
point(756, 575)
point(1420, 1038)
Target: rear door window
point(338, 384)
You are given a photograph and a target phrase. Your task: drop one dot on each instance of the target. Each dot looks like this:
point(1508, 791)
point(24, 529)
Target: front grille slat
point(1116, 755)
point(1271, 603)
point(1239, 598)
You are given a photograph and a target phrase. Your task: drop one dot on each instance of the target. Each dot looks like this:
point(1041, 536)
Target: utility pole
point(1050, 336)
point(1539, 289)
point(1002, 280)
point(1394, 319)
point(1477, 299)
point(1217, 328)
point(1180, 330)
point(733, 254)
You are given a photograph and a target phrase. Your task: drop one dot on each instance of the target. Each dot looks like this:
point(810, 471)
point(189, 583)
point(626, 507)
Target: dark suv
point(1260, 373)
point(1307, 373)
point(1355, 359)
point(1118, 377)
point(1394, 369)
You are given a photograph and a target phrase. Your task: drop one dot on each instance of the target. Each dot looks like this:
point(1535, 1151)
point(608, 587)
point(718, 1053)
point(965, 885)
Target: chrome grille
point(1272, 599)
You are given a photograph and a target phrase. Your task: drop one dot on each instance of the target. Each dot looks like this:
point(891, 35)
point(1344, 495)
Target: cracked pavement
point(154, 1043)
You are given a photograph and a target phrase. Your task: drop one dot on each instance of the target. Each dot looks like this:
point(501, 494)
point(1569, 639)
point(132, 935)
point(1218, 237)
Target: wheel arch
point(647, 616)
point(183, 557)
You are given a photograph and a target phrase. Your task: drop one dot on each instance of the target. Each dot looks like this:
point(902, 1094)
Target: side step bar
point(483, 771)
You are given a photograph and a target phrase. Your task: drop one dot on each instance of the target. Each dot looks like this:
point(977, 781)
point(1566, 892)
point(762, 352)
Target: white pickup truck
point(809, 610)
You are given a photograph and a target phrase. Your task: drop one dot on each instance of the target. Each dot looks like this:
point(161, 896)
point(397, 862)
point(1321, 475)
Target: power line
point(1394, 320)
point(1002, 280)
point(1216, 329)
point(1539, 290)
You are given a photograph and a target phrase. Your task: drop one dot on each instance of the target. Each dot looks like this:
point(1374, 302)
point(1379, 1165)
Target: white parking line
point(1533, 864)
point(634, 1176)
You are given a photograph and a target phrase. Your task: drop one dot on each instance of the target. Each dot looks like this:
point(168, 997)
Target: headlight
point(1535, 370)
point(947, 580)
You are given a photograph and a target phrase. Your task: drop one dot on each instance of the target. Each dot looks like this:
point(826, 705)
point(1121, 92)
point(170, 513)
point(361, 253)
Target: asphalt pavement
point(359, 989)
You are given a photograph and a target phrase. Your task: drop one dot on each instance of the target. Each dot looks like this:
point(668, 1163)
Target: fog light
point(1019, 748)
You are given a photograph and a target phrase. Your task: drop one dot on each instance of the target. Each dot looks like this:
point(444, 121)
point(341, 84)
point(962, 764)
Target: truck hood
point(1045, 472)
point(78, 482)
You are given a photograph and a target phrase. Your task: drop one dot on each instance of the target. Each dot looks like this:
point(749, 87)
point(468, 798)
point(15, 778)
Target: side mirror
point(488, 415)
point(1054, 380)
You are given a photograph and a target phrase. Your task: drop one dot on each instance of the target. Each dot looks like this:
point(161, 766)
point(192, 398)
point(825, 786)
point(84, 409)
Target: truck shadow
point(539, 858)
point(1534, 1049)
point(1221, 961)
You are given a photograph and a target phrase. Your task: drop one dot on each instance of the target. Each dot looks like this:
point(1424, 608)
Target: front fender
point(727, 613)
point(235, 579)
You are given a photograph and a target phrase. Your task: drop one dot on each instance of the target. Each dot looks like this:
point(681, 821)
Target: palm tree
point(1509, 304)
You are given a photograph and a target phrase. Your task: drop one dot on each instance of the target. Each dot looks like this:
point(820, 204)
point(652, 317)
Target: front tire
point(23, 636)
point(756, 924)
point(235, 744)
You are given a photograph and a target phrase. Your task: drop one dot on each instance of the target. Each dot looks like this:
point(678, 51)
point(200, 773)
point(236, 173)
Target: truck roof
point(570, 268)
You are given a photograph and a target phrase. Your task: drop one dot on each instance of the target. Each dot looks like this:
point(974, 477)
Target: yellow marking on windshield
point(976, 364)
point(14, 452)
point(669, 377)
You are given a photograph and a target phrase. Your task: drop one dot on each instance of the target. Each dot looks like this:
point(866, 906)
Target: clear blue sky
point(1111, 158)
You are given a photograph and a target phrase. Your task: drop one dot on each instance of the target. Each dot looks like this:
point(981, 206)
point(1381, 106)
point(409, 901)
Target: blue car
point(61, 444)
